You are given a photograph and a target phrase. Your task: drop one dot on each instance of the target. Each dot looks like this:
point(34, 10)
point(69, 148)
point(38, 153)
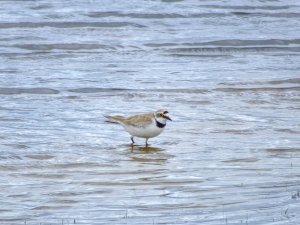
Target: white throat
point(160, 122)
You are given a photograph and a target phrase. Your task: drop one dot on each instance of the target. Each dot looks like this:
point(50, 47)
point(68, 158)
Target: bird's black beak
point(166, 117)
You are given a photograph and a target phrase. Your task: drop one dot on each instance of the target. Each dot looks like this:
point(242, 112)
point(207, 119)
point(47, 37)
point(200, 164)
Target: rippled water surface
point(228, 73)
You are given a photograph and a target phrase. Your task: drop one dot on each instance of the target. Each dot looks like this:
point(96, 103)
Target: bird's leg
point(132, 141)
point(146, 142)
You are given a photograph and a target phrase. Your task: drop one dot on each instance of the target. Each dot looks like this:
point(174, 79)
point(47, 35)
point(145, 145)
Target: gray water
point(228, 73)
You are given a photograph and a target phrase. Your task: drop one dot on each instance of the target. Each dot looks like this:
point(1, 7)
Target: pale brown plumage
point(139, 120)
point(146, 125)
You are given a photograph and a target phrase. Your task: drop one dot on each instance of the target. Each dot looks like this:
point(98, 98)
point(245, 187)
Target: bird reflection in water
point(148, 154)
point(145, 149)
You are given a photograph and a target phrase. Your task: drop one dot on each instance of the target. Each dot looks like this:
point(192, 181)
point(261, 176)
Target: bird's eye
point(161, 114)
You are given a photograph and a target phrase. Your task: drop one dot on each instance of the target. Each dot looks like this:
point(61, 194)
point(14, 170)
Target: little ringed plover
point(146, 125)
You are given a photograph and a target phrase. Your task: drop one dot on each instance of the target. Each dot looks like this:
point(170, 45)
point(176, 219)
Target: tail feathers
point(114, 119)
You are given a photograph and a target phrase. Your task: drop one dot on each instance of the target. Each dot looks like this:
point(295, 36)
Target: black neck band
point(159, 124)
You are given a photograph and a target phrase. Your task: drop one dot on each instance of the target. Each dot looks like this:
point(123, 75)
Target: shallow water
point(228, 73)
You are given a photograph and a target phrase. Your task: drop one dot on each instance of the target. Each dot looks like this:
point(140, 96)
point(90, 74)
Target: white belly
point(144, 132)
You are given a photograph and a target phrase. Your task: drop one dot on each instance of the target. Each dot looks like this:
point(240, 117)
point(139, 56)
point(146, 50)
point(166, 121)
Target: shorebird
point(146, 125)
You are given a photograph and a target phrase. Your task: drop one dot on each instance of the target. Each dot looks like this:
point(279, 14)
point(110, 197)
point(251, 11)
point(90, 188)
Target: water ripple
point(67, 25)
point(228, 73)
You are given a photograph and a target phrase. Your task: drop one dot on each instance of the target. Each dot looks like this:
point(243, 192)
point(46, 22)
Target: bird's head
point(161, 115)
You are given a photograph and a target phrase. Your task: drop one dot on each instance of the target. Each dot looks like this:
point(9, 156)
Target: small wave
point(286, 130)
point(264, 14)
point(233, 131)
point(67, 24)
point(272, 82)
point(135, 15)
point(96, 90)
point(291, 81)
point(242, 160)
point(14, 91)
point(202, 55)
point(249, 7)
point(230, 43)
point(265, 42)
point(66, 46)
point(282, 150)
point(39, 156)
point(155, 15)
point(18, 146)
point(230, 50)
point(258, 89)
point(195, 15)
point(42, 6)
point(223, 48)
